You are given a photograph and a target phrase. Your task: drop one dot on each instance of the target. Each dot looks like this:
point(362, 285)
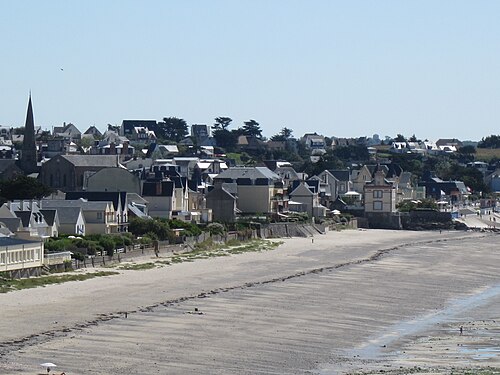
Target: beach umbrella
point(48, 365)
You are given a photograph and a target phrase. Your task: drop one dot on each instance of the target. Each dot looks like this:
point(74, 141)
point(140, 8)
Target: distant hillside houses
point(102, 179)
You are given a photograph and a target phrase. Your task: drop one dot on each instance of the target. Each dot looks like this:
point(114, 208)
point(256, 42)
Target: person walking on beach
point(461, 330)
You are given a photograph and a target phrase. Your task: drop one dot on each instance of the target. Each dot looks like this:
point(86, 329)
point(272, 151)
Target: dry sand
point(350, 301)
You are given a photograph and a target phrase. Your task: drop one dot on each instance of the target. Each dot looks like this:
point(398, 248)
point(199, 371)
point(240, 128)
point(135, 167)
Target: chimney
point(125, 149)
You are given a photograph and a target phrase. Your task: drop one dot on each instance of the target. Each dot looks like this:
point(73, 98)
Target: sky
point(339, 68)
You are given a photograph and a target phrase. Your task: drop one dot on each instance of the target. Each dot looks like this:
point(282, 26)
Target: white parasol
point(48, 365)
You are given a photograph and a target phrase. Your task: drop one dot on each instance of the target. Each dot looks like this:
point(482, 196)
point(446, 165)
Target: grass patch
point(137, 267)
point(486, 154)
point(209, 249)
point(8, 285)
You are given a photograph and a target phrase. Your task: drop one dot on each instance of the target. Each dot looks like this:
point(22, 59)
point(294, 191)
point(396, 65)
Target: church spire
point(28, 158)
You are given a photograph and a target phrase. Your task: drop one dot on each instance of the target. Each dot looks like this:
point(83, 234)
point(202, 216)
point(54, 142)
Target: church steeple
point(28, 152)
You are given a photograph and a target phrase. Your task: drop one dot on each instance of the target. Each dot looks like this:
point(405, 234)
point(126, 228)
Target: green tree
point(86, 142)
point(352, 153)
point(222, 123)
point(140, 227)
point(108, 244)
point(413, 138)
point(427, 203)
point(283, 135)
point(400, 138)
point(467, 150)
point(226, 139)
point(172, 129)
point(252, 128)
point(492, 141)
point(23, 187)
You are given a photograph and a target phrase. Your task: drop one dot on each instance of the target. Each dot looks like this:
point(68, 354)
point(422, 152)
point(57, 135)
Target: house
point(166, 150)
point(54, 147)
point(67, 172)
point(380, 203)
point(127, 127)
point(222, 203)
point(9, 169)
point(186, 165)
point(21, 258)
point(92, 132)
point(7, 151)
point(399, 148)
point(257, 189)
point(112, 179)
point(343, 142)
point(493, 181)
point(314, 141)
point(5, 133)
point(137, 206)
point(250, 143)
point(71, 221)
point(306, 194)
point(34, 223)
point(207, 167)
point(180, 193)
point(117, 198)
point(99, 216)
point(454, 191)
point(449, 142)
point(113, 144)
point(161, 197)
point(52, 219)
point(360, 177)
point(200, 131)
point(328, 187)
point(142, 134)
point(288, 175)
point(343, 177)
point(380, 195)
point(67, 131)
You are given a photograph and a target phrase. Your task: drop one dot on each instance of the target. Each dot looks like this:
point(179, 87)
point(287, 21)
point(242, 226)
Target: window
point(377, 206)
point(378, 193)
point(99, 216)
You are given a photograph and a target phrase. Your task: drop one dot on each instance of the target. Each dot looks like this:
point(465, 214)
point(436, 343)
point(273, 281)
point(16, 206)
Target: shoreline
point(224, 276)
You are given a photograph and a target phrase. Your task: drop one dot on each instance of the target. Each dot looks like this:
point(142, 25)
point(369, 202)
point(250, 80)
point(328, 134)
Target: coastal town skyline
point(340, 69)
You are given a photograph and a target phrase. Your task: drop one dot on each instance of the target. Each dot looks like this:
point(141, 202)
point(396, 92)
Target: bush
point(108, 245)
point(216, 229)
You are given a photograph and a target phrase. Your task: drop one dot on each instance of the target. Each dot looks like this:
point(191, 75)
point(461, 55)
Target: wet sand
point(350, 301)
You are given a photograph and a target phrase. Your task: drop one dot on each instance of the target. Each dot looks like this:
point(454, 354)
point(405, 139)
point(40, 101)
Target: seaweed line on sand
point(38, 338)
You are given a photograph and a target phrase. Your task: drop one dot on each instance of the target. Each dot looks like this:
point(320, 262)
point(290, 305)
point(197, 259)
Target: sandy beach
point(351, 301)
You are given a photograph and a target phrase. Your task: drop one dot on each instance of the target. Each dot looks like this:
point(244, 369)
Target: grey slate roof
point(68, 215)
point(13, 223)
point(249, 172)
point(49, 216)
point(8, 241)
point(108, 196)
point(84, 204)
point(92, 160)
point(25, 217)
point(341, 175)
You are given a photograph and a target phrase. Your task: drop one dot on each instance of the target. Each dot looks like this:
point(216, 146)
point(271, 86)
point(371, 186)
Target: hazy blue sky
point(343, 68)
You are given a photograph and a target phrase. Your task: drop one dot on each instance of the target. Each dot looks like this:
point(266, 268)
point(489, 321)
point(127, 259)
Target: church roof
point(92, 160)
